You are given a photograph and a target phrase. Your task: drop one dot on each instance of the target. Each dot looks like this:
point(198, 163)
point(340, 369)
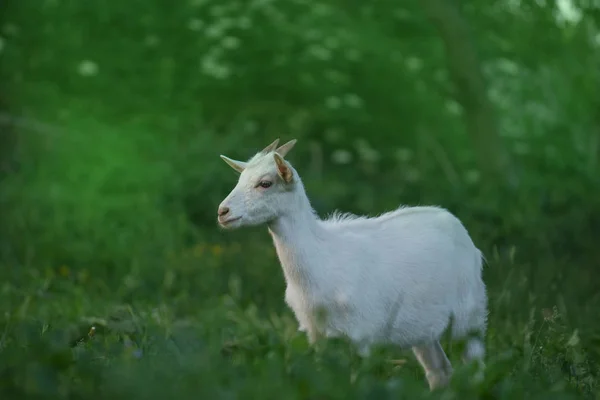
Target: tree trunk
point(465, 72)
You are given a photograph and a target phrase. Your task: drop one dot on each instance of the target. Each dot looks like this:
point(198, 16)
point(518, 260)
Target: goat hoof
point(437, 380)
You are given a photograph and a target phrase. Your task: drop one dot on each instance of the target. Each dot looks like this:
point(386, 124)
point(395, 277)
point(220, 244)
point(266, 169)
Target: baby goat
point(398, 278)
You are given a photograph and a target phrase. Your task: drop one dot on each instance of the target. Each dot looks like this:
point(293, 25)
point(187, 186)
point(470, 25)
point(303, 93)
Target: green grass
point(211, 323)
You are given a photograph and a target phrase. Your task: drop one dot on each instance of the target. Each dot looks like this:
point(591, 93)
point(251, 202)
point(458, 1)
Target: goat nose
point(223, 211)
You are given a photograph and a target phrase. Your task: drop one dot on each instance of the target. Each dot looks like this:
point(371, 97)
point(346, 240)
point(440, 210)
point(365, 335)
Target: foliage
point(113, 117)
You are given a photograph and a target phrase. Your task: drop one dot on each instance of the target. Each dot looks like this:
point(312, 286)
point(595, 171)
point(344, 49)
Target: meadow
point(115, 280)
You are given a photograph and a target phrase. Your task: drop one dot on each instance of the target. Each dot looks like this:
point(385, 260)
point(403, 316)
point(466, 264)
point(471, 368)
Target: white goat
point(399, 278)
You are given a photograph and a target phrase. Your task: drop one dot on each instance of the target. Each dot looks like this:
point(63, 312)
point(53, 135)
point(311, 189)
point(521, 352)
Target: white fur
point(397, 278)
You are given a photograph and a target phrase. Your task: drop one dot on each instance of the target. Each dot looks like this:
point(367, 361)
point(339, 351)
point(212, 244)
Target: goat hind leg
point(475, 351)
point(435, 363)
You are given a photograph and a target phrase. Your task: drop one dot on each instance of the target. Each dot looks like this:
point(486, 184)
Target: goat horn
point(285, 148)
point(270, 147)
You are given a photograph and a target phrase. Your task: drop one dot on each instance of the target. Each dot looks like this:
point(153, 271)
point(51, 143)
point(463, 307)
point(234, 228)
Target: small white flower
point(88, 68)
point(217, 11)
point(341, 156)
point(230, 42)
point(260, 3)
point(551, 151)
point(250, 126)
point(215, 31)
point(568, 12)
point(521, 148)
point(319, 52)
point(313, 34)
point(195, 24)
point(321, 9)
point(412, 174)
point(332, 42)
point(307, 78)
point(574, 339)
point(198, 3)
point(453, 107)
point(333, 135)
point(414, 63)
point(397, 57)
point(151, 40)
point(334, 76)
point(244, 22)
point(10, 29)
point(472, 176)
point(280, 59)
point(227, 22)
point(507, 66)
point(366, 152)
point(352, 54)
point(333, 102)
point(353, 100)
point(211, 67)
point(403, 154)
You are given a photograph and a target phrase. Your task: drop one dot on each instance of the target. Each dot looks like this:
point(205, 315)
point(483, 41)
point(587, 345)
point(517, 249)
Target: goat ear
point(270, 147)
point(285, 148)
point(239, 166)
point(282, 168)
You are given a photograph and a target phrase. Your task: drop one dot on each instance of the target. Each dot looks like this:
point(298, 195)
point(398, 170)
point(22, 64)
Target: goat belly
point(322, 315)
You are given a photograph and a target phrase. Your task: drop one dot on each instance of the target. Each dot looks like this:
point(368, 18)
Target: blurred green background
point(117, 282)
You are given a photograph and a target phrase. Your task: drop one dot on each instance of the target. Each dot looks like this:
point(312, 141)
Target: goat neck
point(298, 238)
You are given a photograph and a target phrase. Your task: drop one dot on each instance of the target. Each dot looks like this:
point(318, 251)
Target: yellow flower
point(198, 250)
point(83, 275)
point(64, 270)
point(217, 250)
point(171, 255)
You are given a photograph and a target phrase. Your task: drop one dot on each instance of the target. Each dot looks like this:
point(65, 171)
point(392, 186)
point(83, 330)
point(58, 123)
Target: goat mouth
point(228, 221)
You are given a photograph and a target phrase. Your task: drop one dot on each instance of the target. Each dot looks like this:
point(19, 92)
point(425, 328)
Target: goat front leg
point(435, 363)
point(311, 334)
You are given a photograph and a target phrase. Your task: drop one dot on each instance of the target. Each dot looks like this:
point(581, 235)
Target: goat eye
point(265, 184)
